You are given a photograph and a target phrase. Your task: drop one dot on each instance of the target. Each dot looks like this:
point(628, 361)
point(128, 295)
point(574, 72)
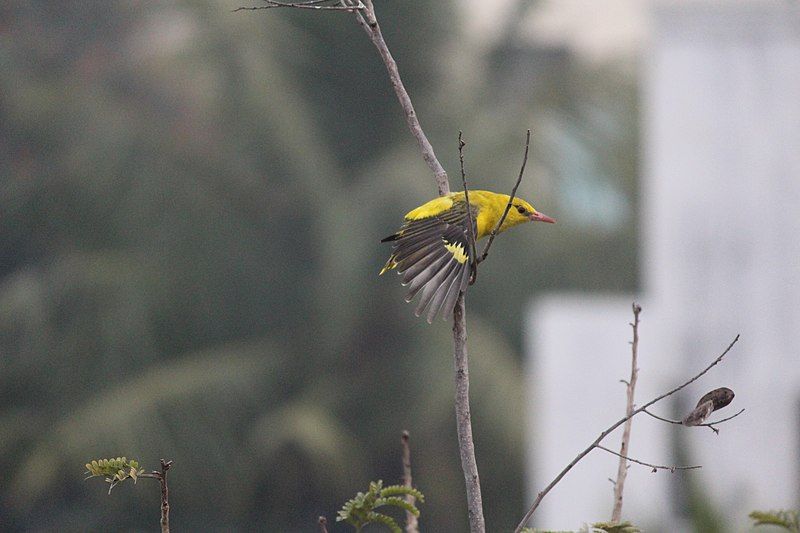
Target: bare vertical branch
point(622, 470)
point(464, 421)
point(322, 522)
point(412, 523)
point(367, 19)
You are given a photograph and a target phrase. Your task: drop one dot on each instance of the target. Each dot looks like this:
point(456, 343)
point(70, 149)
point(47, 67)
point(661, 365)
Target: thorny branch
point(510, 200)
point(622, 469)
point(604, 434)
point(655, 468)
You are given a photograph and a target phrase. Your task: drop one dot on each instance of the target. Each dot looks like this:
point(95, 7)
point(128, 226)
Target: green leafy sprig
point(115, 470)
point(788, 520)
point(360, 510)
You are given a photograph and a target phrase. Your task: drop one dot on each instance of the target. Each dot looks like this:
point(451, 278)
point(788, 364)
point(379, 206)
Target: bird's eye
point(520, 210)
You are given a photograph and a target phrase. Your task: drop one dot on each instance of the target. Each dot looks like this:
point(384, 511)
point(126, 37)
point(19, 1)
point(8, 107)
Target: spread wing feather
point(434, 256)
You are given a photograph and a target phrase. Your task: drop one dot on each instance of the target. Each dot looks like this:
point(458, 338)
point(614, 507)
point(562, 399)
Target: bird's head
point(521, 211)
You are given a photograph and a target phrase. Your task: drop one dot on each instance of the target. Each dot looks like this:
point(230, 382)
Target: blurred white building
point(721, 256)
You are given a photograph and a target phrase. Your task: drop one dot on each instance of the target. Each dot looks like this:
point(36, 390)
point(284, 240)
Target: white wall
point(721, 256)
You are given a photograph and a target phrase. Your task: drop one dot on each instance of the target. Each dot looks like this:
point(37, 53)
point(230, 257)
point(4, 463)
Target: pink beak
point(541, 217)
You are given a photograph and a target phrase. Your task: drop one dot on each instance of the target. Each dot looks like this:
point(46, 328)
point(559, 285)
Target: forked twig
point(540, 496)
point(496, 229)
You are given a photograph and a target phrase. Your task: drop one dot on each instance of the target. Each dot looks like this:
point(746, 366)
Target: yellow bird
point(432, 250)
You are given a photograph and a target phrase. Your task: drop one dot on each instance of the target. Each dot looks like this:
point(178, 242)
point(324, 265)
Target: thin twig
point(678, 422)
point(622, 469)
point(540, 496)
point(707, 424)
point(412, 523)
point(654, 467)
point(510, 200)
point(312, 4)
point(322, 522)
point(712, 424)
point(473, 276)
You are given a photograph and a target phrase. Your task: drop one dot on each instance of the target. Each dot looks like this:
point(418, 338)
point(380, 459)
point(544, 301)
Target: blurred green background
point(191, 204)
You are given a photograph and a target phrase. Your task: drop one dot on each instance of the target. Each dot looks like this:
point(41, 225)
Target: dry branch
point(540, 496)
point(655, 468)
point(366, 18)
point(162, 478)
point(622, 469)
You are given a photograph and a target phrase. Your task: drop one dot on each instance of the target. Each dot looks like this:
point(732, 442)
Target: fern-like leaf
point(388, 521)
point(360, 510)
point(397, 502)
point(621, 527)
point(401, 490)
point(115, 470)
point(788, 520)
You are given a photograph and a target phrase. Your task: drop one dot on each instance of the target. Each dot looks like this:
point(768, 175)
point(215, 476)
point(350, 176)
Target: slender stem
point(412, 523)
point(593, 445)
point(654, 467)
point(464, 421)
point(622, 469)
point(312, 4)
point(496, 229)
point(322, 522)
point(473, 276)
point(707, 424)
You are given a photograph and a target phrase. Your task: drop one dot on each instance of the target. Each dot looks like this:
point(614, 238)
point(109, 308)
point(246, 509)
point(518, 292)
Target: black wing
point(434, 256)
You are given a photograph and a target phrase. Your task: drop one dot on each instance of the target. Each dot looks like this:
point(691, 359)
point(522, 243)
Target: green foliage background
point(191, 203)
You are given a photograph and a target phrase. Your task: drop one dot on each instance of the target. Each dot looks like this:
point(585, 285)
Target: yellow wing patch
point(430, 209)
point(457, 250)
point(390, 264)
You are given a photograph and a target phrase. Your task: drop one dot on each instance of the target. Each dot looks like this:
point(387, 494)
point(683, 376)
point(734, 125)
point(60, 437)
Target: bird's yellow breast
point(489, 205)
